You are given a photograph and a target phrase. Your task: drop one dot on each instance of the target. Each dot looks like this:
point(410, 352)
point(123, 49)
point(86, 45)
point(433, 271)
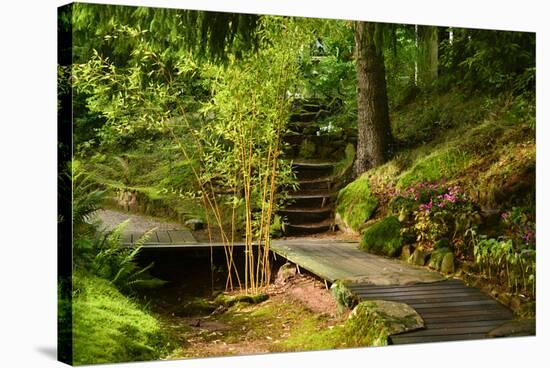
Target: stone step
point(306, 215)
point(310, 228)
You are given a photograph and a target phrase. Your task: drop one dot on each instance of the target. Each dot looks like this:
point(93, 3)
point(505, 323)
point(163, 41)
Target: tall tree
point(428, 45)
point(373, 123)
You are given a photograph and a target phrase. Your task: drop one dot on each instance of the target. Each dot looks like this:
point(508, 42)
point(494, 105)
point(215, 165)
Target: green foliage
point(115, 261)
point(435, 212)
point(109, 327)
point(383, 237)
point(356, 203)
point(503, 262)
point(490, 60)
point(87, 197)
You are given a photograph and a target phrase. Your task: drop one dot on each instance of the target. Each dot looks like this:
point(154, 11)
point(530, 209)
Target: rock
point(418, 257)
point(406, 252)
point(343, 296)
point(526, 327)
point(285, 273)
point(383, 237)
point(448, 263)
point(372, 322)
point(436, 257)
point(194, 224)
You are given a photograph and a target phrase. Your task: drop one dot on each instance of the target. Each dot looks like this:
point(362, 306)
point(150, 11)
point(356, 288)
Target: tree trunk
point(373, 123)
point(427, 54)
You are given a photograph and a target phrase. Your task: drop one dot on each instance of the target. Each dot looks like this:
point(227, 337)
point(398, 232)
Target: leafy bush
point(356, 203)
point(108, 327)
point(383, 237)
point(433, 211)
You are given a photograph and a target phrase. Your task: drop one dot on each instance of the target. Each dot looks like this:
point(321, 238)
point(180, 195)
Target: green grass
point(383, 237)
point(356, 203)
point(109, 327)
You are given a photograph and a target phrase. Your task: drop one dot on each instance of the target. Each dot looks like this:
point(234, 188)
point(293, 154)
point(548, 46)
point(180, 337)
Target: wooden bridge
point(450, 309)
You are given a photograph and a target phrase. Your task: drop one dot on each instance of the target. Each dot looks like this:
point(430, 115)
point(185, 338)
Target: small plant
point(504, 262)
point(116, 261)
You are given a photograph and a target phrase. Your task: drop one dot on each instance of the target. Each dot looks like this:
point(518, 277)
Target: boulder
point(448, 263)
point(372, 322)
point(343, 296)
point(194, 224)
point(406, 252)
point(418, 257)
point(383, 237)
point(285, 273)
point(526, 327)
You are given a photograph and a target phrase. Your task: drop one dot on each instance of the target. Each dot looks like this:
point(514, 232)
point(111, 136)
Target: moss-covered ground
point(110, 327)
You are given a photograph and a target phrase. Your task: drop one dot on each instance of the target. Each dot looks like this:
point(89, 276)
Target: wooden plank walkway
point(340, 260)
point(451, 310)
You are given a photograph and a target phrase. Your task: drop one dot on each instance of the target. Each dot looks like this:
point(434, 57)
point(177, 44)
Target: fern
point(116, 261)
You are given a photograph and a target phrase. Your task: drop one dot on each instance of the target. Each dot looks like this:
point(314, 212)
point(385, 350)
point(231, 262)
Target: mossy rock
point(230, 300)
point(345, 298)
point(436, 257)
point(196, 307)
point(356, 203)
point(448, 263)
point(419, 257)
point(383, 237)
point(372, 322)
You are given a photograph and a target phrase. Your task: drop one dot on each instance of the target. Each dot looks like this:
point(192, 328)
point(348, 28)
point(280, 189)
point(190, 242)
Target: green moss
point(230, 300)
point(344, 297)
point(109, 327)
point(356, 203)
point(383, 237)
point(345, 165)
point(436, 257)
point(441, 163)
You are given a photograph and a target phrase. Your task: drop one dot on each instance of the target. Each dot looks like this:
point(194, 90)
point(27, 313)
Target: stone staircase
point(310, 208)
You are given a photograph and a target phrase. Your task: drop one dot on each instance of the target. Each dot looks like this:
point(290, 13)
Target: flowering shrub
point(520, 227)
point(438, 210)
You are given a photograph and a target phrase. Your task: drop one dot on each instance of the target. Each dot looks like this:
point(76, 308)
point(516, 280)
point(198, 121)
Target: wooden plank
point(163, 237)
point(181, 236)
point(457, 294)
point(404, 339)
point(464, 324)
point(453, 304)
point(437, 285)
point(422, 300)
point(451, 331)
point(471, 315)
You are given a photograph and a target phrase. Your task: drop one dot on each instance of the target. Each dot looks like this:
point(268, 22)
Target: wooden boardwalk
point(340, 260)
point(451, 310)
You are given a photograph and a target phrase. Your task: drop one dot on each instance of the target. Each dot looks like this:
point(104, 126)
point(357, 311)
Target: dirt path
point(299, 305)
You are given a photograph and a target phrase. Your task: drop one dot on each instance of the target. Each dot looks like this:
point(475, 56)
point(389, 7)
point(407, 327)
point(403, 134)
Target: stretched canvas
point(237, 184)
